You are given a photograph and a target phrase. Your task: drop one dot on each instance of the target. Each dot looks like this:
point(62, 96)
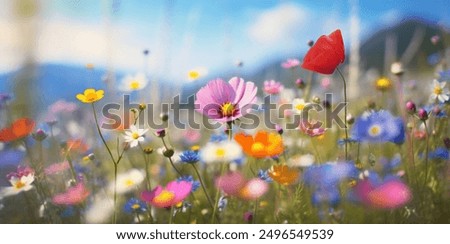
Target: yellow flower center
point(135, 206)
point(135, 135)
point(220, 152)
point(129, 182)
point(135, 85)
point(257, 147)
point(193, 75)
point(437, 90)
point(164, 197)
point(300, 106)
point(91, 96)
point(19, 185)
point(375, 130)
point(383, 84)
point(195, 148)
point(227, 109)
point(179, 205)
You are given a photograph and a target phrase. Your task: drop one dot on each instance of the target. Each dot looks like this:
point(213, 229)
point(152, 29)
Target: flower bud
point(248, 216)
point(410, 107)
point(164, 117)
point(435, 39)
point(423, 115)
point(160, 133)
point(142, 106)
point(316, 99)
point(397, 68)
point(310, 43)
point(146, 52)
point(148, 150)
point(279, 129)
point(300, 83)
point(168, 153)
point(350, 119)
point(40, 135)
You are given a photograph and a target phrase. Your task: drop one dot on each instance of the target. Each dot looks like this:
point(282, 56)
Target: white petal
point(134, 143)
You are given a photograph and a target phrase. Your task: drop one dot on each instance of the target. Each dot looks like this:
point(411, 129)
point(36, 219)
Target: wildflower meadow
point(296, 147)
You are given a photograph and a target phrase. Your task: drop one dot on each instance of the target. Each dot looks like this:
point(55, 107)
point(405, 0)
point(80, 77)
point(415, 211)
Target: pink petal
point(149, 195)
point(254, 189)
point(231, 183)
point(181, 189)
point(392, 194)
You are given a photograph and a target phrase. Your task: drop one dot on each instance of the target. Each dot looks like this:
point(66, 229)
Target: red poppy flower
point(19, 129)
point(326, 54)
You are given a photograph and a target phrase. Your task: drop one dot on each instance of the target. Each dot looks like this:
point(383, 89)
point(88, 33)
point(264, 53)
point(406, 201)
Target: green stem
point(204, 189)
point(345, 114)
point(255, 210)
point(170, 158)
point(216, 200)
point(171, 215)
point(115, 194)
point(426, 153)
point(100, 133)
point(308, 86)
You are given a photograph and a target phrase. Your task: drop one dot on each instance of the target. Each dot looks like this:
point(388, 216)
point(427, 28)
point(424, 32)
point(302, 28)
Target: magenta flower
point(311, 130)
point(290, 63)
point(224, 101)
point(272, 87)
point(174, 193)
point(74, 195)
point(389, 195)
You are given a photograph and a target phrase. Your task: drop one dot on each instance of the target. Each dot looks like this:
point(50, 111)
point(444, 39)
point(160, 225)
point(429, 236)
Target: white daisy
point(19, 185)
point(298, 105)
point(302, 160)
point(134, 135)
point(439, 91)
point(128, 181)
point(133, 82)
point(223, 151)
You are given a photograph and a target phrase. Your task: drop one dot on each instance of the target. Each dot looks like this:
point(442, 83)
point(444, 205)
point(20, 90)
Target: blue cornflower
point(379, 126)
point(134, 206)
point(444, 75)
point(439, 153)
point(390, 165)
point(190, 157)
point(329, 173)
point(218, 137)
point(349, 140)
point(68, 212)
point(264, 175)
point(326, 194)
point(11, 157)
point(190, 179)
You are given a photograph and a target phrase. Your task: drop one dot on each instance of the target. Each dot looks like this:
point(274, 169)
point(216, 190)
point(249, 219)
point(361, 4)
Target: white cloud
point(278, 24)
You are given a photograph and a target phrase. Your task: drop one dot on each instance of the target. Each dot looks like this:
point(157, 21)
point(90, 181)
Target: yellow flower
point(193, 75)
point(283, 174)
point(90, 95)
point(383, 84)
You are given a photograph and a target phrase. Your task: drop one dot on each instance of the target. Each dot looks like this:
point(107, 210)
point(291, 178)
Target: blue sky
point(182, 35)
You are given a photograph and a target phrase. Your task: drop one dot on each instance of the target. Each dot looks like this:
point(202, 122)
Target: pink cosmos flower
point(272, 87)
point(224, 101)
point(174, 193)
point(290, 63)
point(389, 195)
point(57, 168)
point(74, 195)
point(234, 184)
point(311, 129)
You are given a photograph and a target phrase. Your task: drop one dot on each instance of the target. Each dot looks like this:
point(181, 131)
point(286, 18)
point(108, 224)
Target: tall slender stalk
point(345, 114)
point(204, 189)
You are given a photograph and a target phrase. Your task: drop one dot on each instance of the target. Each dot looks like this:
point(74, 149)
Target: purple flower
point(224, 101)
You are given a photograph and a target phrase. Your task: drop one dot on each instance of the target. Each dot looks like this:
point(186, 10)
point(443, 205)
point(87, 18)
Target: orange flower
point(283, 174)
point(262, 145)
point(19, 129)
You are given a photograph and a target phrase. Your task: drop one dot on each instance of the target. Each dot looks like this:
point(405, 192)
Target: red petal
point(326, 54)
point(19, 129)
